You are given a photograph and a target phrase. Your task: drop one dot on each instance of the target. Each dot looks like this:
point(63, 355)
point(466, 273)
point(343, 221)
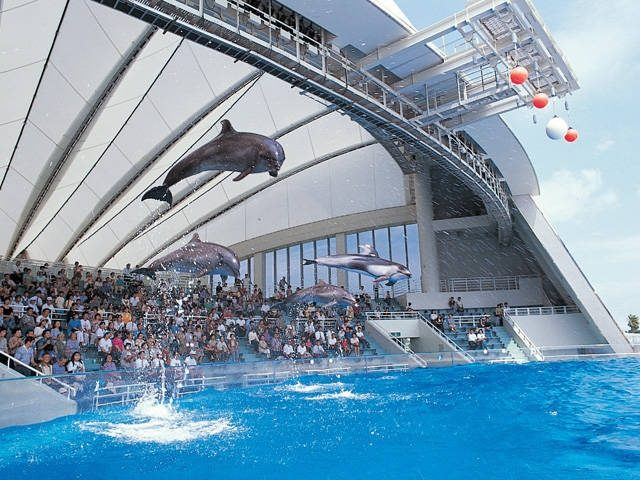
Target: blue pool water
point(535, 421)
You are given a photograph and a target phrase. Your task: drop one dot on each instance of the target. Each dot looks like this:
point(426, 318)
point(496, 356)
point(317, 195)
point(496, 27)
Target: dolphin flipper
point(382, 278)
point(161, 192)
point(243, 174)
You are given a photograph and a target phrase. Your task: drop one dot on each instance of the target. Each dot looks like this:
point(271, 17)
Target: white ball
point(556, 128)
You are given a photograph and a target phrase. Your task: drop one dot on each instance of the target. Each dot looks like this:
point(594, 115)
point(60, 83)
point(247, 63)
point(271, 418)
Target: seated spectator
point(75, 365)
point(318, 351)
point(481, 338)
point(45, 365)
point(59, 368)
point(472, 339)
point(451, 323)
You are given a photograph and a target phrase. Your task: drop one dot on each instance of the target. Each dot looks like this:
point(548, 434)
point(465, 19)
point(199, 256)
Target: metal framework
point(250, 35)
point(39, 195)
point(184, 129)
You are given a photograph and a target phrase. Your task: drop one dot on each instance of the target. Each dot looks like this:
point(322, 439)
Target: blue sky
point(590, 190)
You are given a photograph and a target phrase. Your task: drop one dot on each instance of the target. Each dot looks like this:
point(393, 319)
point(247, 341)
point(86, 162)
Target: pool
point(537, 421)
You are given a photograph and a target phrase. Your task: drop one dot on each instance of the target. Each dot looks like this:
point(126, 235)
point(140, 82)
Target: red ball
point(518, 75)
point(540, 100)
point(571, 135)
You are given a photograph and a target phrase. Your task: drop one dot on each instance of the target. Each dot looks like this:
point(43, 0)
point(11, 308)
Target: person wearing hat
point(49, 304)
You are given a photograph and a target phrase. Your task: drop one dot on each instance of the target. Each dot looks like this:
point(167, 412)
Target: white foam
point(159, 423)
point(312, 388)
point(341, 395)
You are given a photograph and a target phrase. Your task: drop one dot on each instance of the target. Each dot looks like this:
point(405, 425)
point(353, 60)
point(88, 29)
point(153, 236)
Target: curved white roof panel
point(101, 105)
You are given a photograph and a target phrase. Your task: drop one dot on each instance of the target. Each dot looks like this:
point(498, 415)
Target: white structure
point(384, 127)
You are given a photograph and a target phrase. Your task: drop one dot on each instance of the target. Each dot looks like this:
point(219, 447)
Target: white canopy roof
point(97, 106)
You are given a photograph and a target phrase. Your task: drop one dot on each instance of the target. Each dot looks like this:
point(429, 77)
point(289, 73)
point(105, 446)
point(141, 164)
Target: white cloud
point(612, 248)
point(600, 40)
point(605, 144)
point(571, 195)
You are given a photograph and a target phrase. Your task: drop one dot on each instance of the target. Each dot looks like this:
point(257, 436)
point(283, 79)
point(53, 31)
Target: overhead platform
point(457, 70)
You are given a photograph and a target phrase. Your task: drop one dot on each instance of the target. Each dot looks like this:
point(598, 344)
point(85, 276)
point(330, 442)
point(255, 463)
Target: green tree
point(634, 325)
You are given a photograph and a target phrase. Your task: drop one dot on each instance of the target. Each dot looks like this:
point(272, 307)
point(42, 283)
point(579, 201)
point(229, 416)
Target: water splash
point(156, 422)
point(311, 388)
point(341, 395)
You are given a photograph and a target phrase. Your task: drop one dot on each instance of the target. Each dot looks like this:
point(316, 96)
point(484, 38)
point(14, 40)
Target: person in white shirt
point(472, 338)
point(141, 362)
point(302, 351)
point(320, 337)
point(105, 344)
point(190, 361)
point(175, 361)
point(318, 351)
point(288, 351)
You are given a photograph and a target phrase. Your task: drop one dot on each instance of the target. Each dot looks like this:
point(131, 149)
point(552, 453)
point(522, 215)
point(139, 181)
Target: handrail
point(551, 310)
point(325, 61)
point(406, 348)
point(456, 347)
point(71, 391)
point(533, 349)
point(473, 284)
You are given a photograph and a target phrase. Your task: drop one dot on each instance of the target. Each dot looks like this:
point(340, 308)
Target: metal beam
point(249, 193)
point(171, 140)
point(79, 128)
point(124, 124)
point(35, 94)
point(453, 63)
point(443, 27)
point(153, 220)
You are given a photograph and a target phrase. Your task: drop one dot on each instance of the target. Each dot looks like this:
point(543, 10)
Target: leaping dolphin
point(367, 262)
point(198, 258)
point(320, 294)
point(230, 151)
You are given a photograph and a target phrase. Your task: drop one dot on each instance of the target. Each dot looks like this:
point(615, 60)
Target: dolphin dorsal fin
point(322, 282)
point(226, 127)
point(368, 250)
point(195, 238)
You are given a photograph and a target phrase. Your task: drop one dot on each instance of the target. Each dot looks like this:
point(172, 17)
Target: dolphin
point(230, 151)
point(367, 262)
point(198, 258)
point(320, 294)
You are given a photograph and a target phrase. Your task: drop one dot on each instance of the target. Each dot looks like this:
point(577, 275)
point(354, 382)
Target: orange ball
point(540, 100)
point(571, 135)
point(518, 75)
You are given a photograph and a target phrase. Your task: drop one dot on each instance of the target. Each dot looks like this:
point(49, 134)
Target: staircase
point(499, 346)
point(512, 347)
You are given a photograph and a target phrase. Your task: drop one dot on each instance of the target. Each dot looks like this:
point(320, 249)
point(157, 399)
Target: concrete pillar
point(430, 278)
point(341, 249)
point(259, 272)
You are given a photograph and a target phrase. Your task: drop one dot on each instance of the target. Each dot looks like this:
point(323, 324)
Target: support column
point(341, 249)
point(259, 272)
point(430, 272)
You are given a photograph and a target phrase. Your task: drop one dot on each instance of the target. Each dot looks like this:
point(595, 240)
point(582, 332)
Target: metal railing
point(416, 316)
point(553, 310)
point(61, 387)
point(444, 337)
point(481, 284)
point(533, 351)
point(114, 394)
point(256, 31)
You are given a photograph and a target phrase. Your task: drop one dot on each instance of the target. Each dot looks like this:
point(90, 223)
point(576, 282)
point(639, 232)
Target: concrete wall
point(477, 253)
point(429, 341)
point(534, 228)
point(529, 294)
point(378, 334)
point(559, 330)
point(25, 402)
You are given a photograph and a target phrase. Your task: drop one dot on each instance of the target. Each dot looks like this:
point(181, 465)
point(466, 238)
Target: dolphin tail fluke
point(309, 262)
point(146, 272)
point(161, 192)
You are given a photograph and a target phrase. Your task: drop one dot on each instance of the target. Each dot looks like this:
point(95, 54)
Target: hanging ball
point(540, 100)
point(556, 128)
point(571, 135)
point(518, 75)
